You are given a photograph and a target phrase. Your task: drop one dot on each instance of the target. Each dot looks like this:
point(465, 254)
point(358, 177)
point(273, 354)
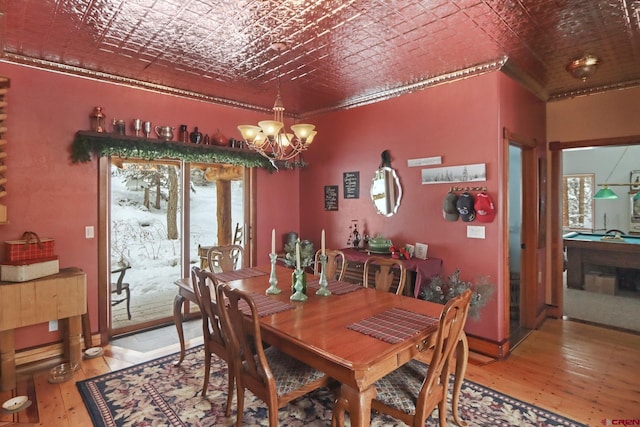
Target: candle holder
point(323, 291)
point(298, 295)
point(273, 280)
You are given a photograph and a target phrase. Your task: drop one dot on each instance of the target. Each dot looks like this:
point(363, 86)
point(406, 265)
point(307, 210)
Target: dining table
point(356, 335)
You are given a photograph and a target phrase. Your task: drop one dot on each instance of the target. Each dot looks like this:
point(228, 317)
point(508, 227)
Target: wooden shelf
point(100, 144)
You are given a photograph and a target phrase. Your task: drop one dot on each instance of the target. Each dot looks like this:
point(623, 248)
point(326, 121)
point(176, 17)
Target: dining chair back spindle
point(214, 343)
point(271, 375)
point(384, 275)
point(413, 391)
point(336, 264)
point(225, 258)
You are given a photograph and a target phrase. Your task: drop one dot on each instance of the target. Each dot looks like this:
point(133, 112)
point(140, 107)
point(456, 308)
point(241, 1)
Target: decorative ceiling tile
point(334, 53)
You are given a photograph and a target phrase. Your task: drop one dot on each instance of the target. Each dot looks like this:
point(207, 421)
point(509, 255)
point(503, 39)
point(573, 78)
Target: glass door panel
point(216, 208)
point(145, 235)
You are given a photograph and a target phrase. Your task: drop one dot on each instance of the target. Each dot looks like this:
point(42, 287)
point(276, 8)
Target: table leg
point(72, 339)
point(359, 404)
point(178, 303)
point(7, 360)
point(462, 355)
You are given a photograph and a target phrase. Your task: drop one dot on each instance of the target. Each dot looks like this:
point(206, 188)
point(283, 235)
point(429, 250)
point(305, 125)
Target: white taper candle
point(273, 241)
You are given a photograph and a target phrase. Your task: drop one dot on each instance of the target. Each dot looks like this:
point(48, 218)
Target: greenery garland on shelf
point(86, 143)
point(441, 290)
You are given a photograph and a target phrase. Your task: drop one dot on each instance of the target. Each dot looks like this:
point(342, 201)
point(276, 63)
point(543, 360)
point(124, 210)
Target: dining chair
point(271, 375)
point(214, 342)
point(414, 390)
point(119, 287)
point(225, 258)
point(383, 277)
point(336, 264)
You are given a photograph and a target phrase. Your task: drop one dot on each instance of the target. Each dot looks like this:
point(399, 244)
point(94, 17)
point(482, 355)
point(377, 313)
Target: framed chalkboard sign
point(330, 197)
point(351, 182)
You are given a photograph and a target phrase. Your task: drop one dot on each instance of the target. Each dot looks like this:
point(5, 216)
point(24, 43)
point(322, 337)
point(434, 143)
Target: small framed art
point(635, 180)
point(420, 251)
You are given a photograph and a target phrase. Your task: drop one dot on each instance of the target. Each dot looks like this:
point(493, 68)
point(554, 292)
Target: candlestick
point(298, 295)
point(273, 241)
point(323, 291)
point(322, 242)
point(273, 280)
point(298, 254)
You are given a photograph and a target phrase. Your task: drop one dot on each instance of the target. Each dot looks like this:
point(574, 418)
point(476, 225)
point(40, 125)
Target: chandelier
point(270, 138)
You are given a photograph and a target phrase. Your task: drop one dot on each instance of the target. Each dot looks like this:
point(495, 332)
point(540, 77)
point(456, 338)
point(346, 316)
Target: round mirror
point(386, 191)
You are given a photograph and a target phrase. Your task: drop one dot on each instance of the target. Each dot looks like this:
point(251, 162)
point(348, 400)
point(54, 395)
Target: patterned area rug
point(157, 393)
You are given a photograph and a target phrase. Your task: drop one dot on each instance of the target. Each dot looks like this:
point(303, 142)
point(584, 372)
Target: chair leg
point(240, 410)
point(128, 292)
point(207, 371)
point(339, 406)
point(442, 412)
point(232, 380)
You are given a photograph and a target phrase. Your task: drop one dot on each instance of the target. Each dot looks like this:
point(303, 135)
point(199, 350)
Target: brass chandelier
point(270, 138)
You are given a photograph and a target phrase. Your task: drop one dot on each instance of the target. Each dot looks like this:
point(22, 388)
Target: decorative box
point(23, 271)
point(30, 247)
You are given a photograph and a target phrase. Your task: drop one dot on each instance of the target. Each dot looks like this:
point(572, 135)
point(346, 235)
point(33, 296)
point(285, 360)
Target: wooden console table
point(424, 269)
point(61, 296)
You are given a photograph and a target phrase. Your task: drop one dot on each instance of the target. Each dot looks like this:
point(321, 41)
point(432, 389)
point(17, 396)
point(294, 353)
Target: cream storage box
point(29, 270)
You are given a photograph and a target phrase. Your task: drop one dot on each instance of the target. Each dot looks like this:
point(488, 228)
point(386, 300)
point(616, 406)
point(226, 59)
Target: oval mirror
point(386, 191)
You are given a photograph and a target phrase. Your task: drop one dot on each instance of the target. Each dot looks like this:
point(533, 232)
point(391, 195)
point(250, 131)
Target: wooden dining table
point(322, 332)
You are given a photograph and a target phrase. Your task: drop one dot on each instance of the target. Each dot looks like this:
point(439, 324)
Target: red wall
point(460, 121)
point(56, 198)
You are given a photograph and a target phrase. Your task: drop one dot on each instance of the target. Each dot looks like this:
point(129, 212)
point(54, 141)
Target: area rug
point(156, 393)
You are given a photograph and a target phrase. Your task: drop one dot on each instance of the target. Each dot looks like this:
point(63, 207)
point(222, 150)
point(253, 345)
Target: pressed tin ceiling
point(336, 54)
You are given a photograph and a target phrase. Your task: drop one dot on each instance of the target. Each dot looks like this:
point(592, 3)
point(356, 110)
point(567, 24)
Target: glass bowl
point(62, 372)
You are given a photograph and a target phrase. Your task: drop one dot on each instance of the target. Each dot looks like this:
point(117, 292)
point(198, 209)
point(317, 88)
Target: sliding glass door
point(158, 208)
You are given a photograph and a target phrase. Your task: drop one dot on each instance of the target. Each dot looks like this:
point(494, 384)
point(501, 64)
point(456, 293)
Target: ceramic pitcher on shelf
point(165, 132)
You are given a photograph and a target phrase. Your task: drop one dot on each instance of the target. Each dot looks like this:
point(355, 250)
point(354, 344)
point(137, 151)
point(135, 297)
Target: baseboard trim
point(494, 349)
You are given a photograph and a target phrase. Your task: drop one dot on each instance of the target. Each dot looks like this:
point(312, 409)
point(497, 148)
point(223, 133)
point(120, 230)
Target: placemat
point(243, 273)
point(394, 325)
point(337, 287)
point(265, 305)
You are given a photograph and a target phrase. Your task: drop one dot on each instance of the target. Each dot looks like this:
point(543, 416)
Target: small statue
point(356, 236)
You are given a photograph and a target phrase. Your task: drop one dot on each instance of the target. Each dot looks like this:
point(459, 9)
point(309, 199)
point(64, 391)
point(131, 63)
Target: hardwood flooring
point(585, 372)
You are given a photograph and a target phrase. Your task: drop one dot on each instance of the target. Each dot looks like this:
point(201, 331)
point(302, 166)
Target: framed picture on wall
point(635, 180)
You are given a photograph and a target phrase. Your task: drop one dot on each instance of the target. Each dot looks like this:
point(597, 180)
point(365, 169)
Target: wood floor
point(584, 372)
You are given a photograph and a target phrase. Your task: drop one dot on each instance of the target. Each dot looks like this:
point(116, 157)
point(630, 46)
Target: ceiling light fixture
point(583, 68)
point(269, 138)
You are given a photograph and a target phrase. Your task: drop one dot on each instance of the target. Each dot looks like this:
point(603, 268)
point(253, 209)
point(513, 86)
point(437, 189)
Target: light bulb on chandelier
point(271, 140)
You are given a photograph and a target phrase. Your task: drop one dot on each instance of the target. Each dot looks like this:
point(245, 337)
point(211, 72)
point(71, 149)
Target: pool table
point(591, 252)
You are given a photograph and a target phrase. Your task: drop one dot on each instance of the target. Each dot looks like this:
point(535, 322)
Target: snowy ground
point(140, 235)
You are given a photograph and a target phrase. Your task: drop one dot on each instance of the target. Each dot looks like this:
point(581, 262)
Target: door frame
point(530, 229)
point(556, 249)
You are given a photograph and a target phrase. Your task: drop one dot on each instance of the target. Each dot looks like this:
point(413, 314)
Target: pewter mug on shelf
point(165, 132)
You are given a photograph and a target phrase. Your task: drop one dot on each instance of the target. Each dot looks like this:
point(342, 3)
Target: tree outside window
point(577, 202)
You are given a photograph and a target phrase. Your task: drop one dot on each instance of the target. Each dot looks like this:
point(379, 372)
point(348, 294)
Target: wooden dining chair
point(119, 287)
point(225, 258)
point(336, 264)
point(383, 277)
point(271, 375)
point(413, 391)
point(214, 343)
